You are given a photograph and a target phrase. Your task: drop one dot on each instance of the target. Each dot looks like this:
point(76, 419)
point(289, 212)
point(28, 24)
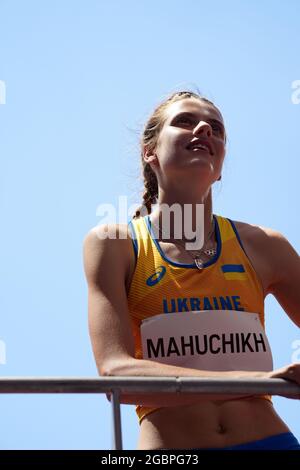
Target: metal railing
point(135, 385)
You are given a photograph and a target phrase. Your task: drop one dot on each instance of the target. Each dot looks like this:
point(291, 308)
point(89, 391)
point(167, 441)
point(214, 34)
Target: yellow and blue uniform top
point(161, 286)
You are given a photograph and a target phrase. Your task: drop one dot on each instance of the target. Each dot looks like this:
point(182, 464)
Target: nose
point(203, 128)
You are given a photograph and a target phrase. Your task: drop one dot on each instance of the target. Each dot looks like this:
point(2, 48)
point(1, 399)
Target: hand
point(290, 372)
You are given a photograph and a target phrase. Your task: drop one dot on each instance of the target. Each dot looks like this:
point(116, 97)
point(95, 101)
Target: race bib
point(217, 340)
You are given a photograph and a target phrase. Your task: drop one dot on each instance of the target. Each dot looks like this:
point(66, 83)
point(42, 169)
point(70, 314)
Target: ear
point(150, 156)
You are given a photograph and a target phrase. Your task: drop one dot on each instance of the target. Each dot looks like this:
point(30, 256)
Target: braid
point(150, 191)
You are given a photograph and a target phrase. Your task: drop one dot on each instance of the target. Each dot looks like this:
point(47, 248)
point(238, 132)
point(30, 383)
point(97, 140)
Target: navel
point(221, 429)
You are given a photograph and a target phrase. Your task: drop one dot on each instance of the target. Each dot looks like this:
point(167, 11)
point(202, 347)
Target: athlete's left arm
point(286, 286)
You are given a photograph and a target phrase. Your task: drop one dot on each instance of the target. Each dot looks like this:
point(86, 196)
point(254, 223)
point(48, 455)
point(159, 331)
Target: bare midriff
point(210, 424)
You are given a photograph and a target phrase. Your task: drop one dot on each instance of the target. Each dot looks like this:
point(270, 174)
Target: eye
point(184, 119)
point(217, 128)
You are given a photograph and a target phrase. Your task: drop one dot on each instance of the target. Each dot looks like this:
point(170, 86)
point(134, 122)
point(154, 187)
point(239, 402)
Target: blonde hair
point(149, 139)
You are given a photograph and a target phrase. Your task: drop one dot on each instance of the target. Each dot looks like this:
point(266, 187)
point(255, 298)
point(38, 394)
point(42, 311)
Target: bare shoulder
point(266, 242)
point(265, 247)
point(105, 235)
point(107, 244)
point(257, 233)
point(279, 265)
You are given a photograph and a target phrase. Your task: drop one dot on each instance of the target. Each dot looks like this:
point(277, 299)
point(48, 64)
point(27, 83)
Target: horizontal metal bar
point(147, 385)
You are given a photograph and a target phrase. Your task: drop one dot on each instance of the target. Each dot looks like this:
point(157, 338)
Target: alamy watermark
point(2, 352)
point(296, 353)
point(177, 222)
point(2, 92)
point(296, 94)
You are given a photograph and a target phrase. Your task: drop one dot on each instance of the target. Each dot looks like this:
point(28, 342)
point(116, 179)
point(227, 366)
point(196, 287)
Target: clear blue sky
point(81, 77)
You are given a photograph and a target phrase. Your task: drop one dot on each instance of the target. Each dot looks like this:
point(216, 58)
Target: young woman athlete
point(158, 307)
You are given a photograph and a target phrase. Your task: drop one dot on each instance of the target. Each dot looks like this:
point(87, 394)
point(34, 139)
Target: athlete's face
point(190, 123)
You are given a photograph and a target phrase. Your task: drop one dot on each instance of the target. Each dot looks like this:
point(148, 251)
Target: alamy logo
point(175, 221)
point(296, 94)
point(2, 352)
point(296, 353)
point(2, 92)
point(157, 276)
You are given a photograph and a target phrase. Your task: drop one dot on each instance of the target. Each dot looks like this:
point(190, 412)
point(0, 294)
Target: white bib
point(217, 340)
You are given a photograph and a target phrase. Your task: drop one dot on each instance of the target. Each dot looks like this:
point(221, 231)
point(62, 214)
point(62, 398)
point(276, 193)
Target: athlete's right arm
point(106, 262)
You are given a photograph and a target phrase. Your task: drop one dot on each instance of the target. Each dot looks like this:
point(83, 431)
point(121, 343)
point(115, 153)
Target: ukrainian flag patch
point(234, 272)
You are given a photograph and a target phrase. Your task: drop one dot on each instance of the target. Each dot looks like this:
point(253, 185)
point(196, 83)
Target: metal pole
point(135, 385)
point(116, 416)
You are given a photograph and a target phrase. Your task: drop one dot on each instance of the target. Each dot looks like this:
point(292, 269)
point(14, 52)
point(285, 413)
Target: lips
point(195, 143)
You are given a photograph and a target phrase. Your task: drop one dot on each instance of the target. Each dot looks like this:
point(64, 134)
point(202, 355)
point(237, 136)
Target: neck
point(190, 219)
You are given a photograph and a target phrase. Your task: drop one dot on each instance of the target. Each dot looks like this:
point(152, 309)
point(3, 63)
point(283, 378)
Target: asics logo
point(157, 276)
